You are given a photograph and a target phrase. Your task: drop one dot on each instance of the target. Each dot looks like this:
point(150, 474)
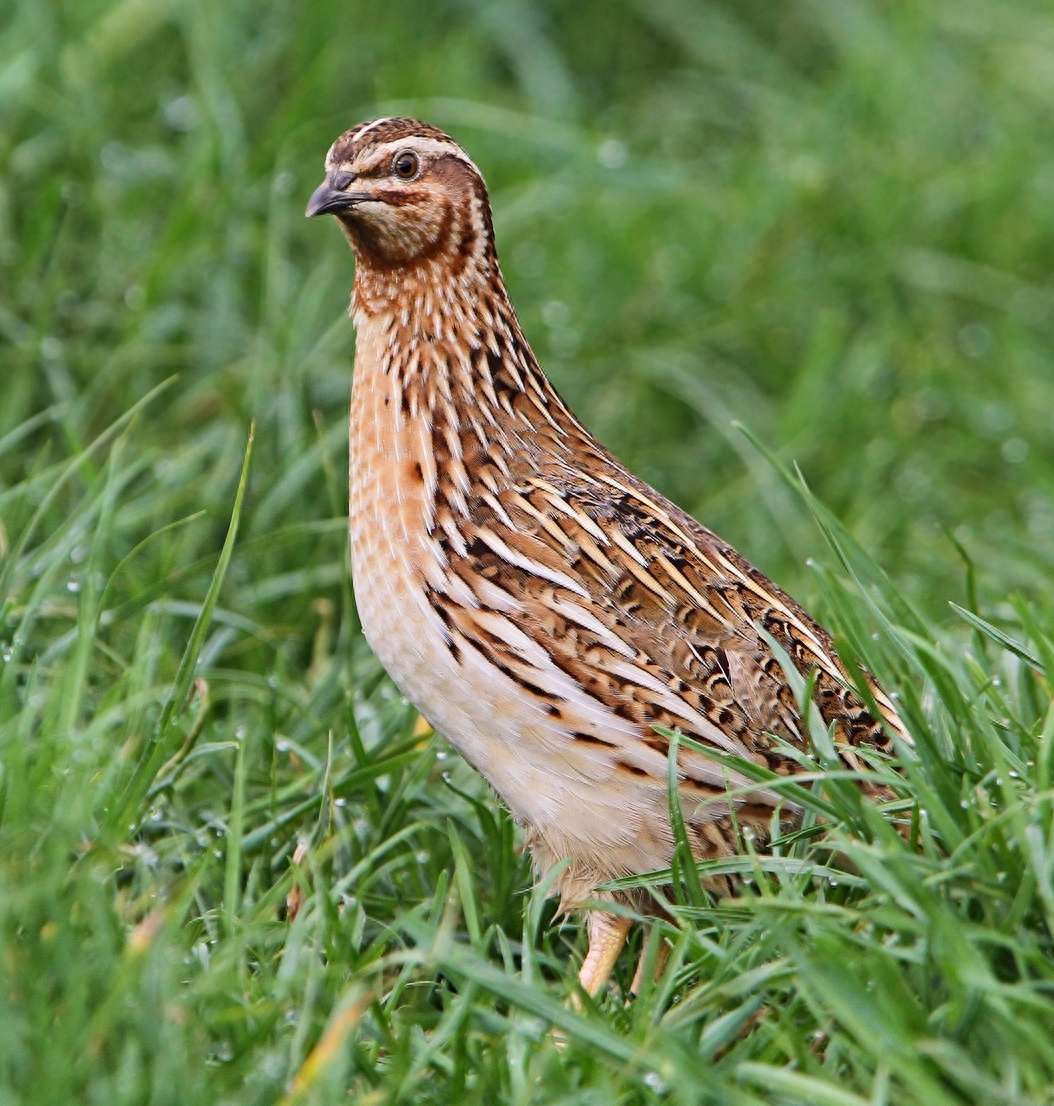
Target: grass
point(830, 222)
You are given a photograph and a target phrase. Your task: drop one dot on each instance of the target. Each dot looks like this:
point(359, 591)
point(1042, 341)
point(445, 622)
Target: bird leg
point(661, 956)
point(607, 935)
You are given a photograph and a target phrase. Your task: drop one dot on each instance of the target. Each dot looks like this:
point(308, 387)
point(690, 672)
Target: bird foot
point(661, 956)
point(607, 935)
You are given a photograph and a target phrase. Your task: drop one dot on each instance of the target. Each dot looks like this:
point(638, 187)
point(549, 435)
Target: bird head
point(405, 193)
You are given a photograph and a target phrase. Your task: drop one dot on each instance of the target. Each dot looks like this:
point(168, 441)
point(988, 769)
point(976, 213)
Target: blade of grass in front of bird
point(458, 959)
point(760, 774)
point(466, 887)
point(683, 868)
point(794, 1087)
point(532, 917)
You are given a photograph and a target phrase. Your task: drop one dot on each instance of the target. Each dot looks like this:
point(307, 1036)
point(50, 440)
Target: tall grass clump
point(235, 865)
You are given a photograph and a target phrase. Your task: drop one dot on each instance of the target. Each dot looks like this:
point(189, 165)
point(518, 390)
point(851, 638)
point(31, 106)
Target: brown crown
point(351, 143)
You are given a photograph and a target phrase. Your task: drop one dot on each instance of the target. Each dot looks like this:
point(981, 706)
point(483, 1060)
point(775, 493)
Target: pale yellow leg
point(607, 935)
point(661, 957)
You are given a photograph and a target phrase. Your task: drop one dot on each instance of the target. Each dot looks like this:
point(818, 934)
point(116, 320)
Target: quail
point(553, 616)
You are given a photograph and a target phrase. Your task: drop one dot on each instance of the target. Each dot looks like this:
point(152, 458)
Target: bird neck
point(447, 401)
point(436, 334)
point(434, 292)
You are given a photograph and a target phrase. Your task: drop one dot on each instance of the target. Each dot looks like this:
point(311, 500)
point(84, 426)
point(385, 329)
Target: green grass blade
point(1004, 641)
point(63, 478)
point(161, 744)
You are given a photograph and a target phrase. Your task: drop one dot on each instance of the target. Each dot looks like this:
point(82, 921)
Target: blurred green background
point(831, 220)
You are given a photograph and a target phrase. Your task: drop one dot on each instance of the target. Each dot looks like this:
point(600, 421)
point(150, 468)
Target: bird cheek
point(408, 232)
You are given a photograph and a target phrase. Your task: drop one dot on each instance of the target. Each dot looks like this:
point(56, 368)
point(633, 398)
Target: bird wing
point(608, 602)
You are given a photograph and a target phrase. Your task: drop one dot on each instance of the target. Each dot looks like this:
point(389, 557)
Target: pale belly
point(478, 709)
point(573, 800)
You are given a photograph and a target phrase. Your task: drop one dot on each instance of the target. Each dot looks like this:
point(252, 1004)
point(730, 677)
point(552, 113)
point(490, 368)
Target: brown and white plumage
point(539, 604)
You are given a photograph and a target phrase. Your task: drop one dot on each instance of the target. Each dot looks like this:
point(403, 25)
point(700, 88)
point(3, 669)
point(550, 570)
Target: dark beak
point(327, 200)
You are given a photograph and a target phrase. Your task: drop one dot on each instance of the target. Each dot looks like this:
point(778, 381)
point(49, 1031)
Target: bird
point(556, 619)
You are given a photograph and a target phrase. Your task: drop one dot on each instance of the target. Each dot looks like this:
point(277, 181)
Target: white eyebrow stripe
point(437, 147)
point(428, 147)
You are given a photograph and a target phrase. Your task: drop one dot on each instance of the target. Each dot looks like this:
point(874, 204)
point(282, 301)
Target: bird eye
point(406, 165)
